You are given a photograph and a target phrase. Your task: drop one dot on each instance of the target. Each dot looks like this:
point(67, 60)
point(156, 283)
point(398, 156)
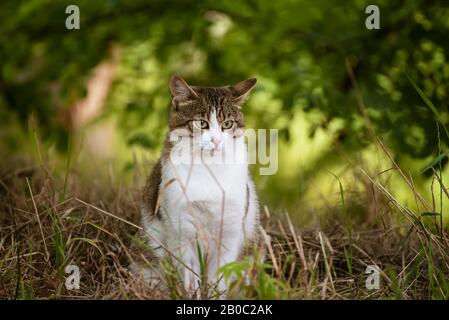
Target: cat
point(201, 214)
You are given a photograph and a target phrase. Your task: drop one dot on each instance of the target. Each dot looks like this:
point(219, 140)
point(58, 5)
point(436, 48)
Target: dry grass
point(92, 225)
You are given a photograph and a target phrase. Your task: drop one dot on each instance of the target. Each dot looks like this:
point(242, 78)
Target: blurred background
point(95, 100)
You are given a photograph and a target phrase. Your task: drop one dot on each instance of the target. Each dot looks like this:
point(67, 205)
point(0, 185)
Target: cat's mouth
point(212, 147)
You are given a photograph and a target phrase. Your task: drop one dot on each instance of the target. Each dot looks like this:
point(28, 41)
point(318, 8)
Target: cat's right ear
point(181, 91)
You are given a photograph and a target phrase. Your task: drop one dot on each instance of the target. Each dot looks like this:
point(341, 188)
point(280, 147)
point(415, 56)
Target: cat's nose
point(215, 140)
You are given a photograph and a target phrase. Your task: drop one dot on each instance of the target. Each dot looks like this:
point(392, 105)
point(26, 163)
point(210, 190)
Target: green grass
point(56, 217)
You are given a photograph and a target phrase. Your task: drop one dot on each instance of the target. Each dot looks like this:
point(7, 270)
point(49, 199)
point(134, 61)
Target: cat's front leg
point(230, 249)
point(191, 272)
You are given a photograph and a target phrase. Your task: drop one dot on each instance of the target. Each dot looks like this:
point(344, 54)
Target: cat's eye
point(201, 124)
point(227, 124)
point(204, 124)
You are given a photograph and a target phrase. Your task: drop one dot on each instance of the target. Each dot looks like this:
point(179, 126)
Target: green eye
point(202, 124)
point(228, 124)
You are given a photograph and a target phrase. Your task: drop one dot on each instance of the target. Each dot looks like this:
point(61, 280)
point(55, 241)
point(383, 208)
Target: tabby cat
point(201, 214)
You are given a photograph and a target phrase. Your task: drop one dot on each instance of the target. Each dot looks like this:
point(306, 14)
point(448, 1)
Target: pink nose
point(216, 141)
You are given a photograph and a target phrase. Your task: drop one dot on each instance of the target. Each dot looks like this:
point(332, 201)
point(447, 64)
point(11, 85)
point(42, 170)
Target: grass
point(50, 220)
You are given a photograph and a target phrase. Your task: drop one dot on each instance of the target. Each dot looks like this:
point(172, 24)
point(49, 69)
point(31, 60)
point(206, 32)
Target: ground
point(49, 221)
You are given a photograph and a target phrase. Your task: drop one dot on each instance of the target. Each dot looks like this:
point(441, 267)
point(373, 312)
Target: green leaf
point(428, 102)
point(430, 213)
point(435, 161)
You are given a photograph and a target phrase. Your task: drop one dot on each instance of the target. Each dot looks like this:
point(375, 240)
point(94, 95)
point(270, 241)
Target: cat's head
point(211, 116)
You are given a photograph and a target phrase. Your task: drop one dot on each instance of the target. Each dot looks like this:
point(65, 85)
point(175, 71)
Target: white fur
point(204, 204)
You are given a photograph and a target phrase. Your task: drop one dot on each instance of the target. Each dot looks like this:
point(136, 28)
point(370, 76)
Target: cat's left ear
point(241, 90)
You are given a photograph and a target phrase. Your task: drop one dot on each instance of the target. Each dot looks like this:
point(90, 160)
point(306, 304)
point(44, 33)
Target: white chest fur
point(205, 196)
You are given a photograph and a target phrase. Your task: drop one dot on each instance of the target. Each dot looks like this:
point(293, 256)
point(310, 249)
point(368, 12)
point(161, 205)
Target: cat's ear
point(241, 90)
point(180, 90)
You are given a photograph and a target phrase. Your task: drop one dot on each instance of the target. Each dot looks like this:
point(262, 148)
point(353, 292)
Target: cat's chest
point(205, 184)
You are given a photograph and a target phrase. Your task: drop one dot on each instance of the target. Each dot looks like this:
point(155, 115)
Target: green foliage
point(58, 245)
point(302, 53)
point(297, 48)
point(250, 278)
point(26, 292)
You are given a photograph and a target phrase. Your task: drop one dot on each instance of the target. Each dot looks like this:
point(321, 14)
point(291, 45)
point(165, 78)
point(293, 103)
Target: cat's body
point(202, 209)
